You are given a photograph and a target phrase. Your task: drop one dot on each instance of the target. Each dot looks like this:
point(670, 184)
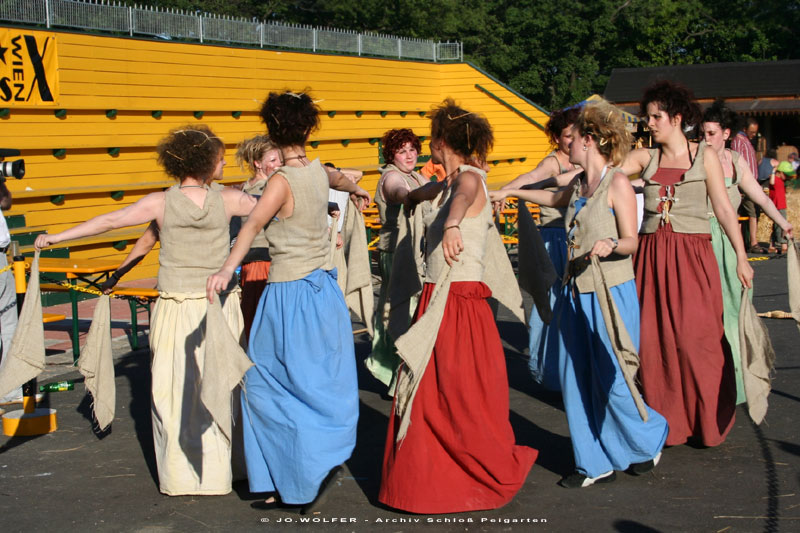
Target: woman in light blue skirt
point(300, 400)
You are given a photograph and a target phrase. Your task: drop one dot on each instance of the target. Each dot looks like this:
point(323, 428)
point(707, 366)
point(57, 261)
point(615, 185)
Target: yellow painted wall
point(94, 74)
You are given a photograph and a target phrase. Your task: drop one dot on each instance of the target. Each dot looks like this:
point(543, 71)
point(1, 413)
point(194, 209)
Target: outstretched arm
point(149, 208)
point(723, 210)
point(142, 247)
point(751, 187)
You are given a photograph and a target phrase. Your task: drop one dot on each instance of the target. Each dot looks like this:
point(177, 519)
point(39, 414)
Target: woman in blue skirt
point(544, 343)
point(610, 426)
point(300, 400)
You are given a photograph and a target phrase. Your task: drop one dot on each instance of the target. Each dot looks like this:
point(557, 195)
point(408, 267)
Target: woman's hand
point(787, 229)
point(218, 283)
point(339, 240)
point(452, 244)
point(745, 272)
point(498, 199)
point(361, 198)
point(602, 248)
point(44, 240)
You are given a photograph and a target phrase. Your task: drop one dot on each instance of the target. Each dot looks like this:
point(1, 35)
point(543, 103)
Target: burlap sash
point(536, 271)
point(25, 360)
point(758, 359)
point(793, 272)
point(224, 366)
point(358, 286)
point(407, 270)
point(97, 364)
point(624, 350)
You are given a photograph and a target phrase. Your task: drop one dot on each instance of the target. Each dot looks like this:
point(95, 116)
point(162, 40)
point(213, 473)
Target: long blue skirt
point(544, 342)
point(605, 427)
point(300, 400)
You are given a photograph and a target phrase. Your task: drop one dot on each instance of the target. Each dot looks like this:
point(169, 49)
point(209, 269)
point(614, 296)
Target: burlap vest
point(194, 241)
point(259, 250)
point(688, 198)
point(389, 213)
point(594, 222)
point(553, 217)
point(470, 265)
point(300, 244)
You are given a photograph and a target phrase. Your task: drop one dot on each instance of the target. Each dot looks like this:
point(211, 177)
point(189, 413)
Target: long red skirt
point(253, 279)
point(686, 372)
point(459, 453)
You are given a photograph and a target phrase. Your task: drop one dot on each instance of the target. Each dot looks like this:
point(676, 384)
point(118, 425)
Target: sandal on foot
point(637, 469)
point(263, 505)
point(579, 481)
point(322, 494)
point(756, 249)
point(772, 250)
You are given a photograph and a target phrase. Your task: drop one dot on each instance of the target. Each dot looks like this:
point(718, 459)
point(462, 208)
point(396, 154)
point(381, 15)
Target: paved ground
point(74, 479)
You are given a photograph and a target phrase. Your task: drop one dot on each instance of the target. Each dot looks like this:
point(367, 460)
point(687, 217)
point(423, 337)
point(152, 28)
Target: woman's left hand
point(452, 244)
point(601, 248)
point(745, 272)
point(787, 229)
point(217, 283)
point(361, 198)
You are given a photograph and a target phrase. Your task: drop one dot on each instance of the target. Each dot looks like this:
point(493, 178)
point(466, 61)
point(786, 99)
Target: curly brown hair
point(560, 119)
point(290, 117)
point(394, 140)
point(190, 151)
point(674, 99)
point(606, 125)
point(468, 134)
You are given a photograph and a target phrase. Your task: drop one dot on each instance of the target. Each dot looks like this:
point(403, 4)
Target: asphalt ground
point(77, 480)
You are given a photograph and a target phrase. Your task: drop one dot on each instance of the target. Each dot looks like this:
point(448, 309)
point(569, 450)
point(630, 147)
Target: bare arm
point(754, 191)
point(723, 210)
point(558, 198)
point(237, 203)
point(339, 181)
point(622, 200)
point(466, 201)
point(275, 195)
point(142, 247)
point(149, 208)
point(546, 168)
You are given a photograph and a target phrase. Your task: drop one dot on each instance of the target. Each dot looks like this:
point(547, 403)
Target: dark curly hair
point(190, 151)
point(394, 140)
point(468, 134)
point(674, 99)
point(290, 117)
point(723, 115)
point(559, 120)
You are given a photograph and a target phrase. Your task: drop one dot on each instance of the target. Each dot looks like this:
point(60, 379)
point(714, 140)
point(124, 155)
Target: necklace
point(295, 157)
point(191, 186)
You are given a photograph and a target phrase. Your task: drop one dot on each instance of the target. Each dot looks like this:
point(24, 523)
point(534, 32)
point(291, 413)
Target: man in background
point(742, 143)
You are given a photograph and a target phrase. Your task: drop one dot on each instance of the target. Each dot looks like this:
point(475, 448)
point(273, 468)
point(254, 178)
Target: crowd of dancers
point(622, 345)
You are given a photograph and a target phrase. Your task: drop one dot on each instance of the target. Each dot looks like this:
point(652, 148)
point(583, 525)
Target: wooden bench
point(141, 298)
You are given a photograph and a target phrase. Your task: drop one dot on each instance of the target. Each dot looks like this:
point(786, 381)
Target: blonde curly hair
point(250, 150)
point(604, 122)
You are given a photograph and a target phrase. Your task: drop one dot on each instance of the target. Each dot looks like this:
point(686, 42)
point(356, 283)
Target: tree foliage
point(555, 53)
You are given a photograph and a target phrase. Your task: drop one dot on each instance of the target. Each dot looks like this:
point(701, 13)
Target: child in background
point(777, 193)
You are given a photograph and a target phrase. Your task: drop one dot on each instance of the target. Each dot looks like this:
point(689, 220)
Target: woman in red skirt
point(450, 446)
point(686, 371)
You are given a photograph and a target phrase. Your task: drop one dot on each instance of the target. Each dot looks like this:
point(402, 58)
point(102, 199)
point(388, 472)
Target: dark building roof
point(750, 80)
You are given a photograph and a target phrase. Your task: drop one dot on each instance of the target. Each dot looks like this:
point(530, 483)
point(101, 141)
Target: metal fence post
point(200, 25)
point(130, 20)
point(47, 12)
point(314, 40)
point(359, 44)
point(399, 48)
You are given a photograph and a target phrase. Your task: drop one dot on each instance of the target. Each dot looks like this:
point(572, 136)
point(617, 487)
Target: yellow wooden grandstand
point(89, 148)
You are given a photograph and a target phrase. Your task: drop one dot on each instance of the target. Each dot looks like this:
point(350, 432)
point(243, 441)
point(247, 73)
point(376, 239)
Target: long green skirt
point(731, 298)
point(383, 361)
